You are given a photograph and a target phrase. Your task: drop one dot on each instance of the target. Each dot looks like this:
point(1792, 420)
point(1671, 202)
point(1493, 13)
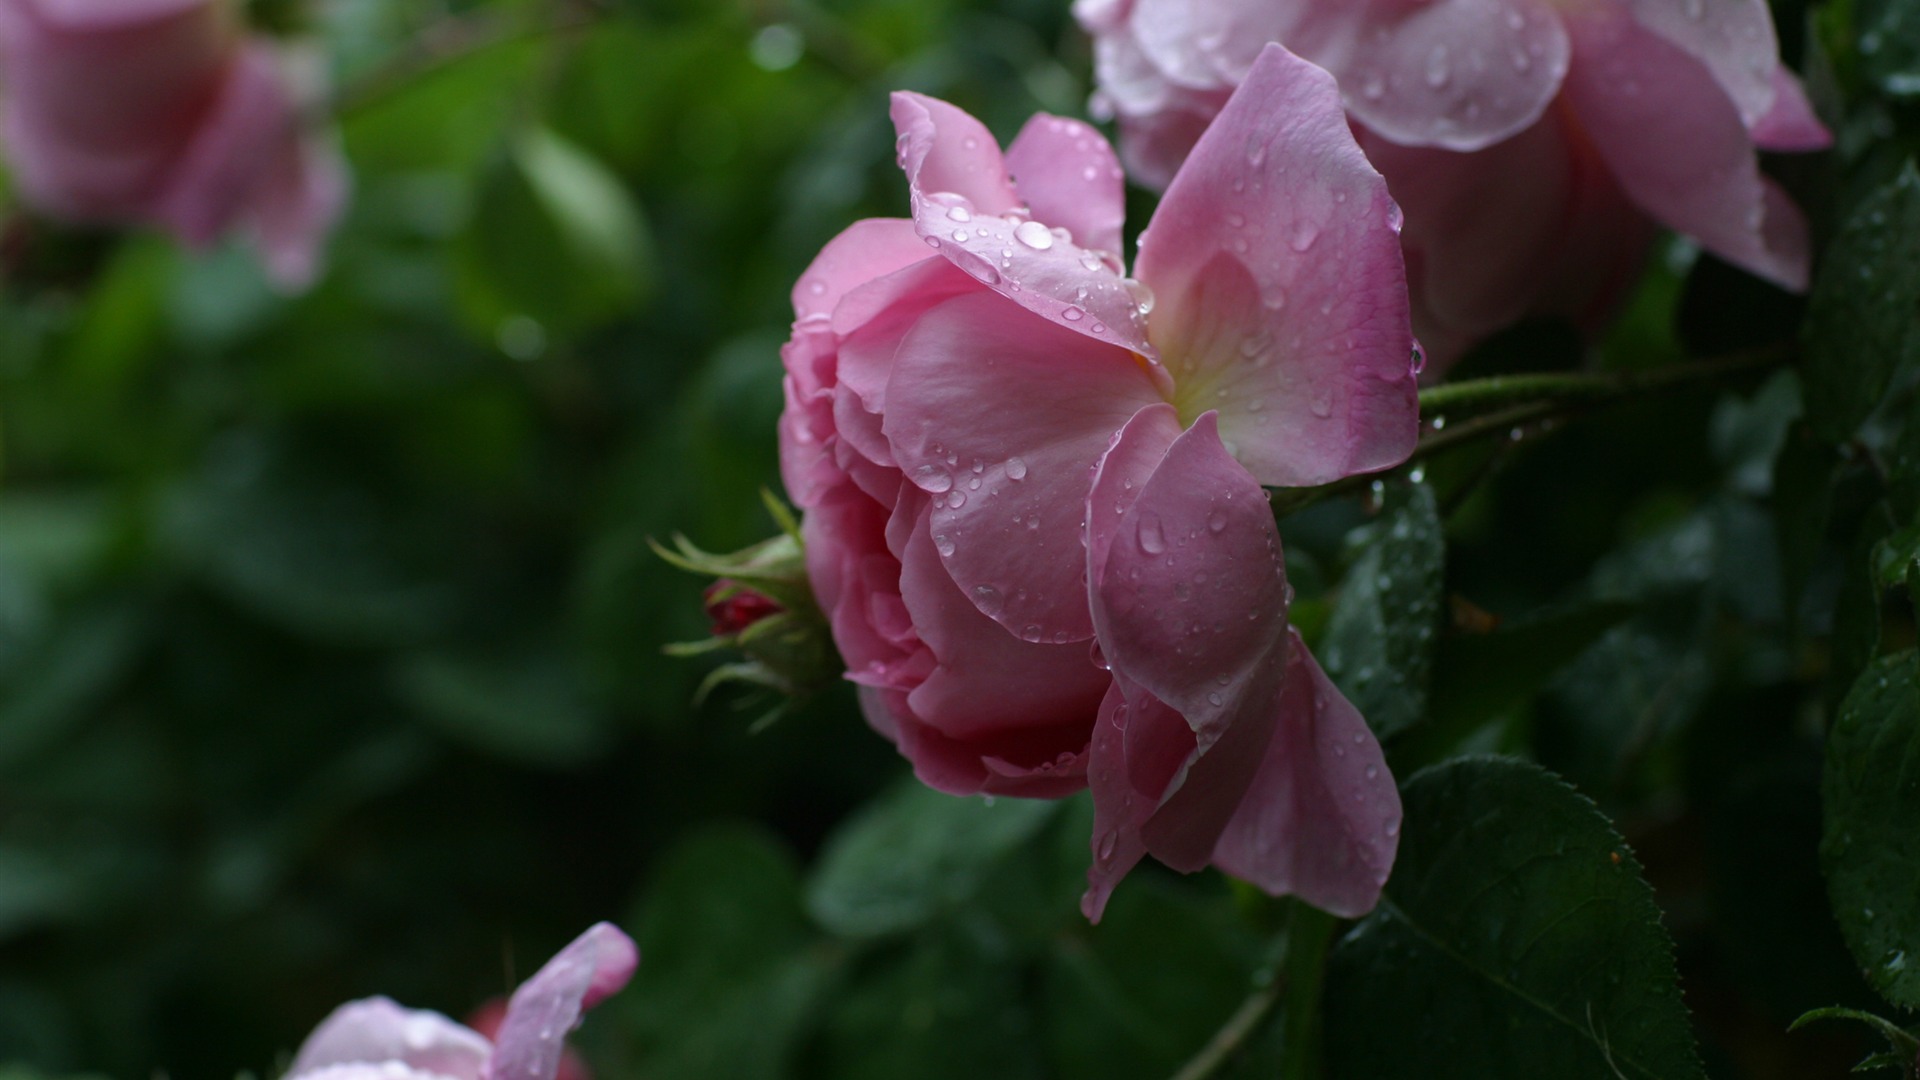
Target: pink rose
point(161, 112)
point(1032, 485)
point(1533, 143)
point(375, 1039)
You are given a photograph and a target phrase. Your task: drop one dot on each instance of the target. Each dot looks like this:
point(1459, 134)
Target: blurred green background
point(330, 641)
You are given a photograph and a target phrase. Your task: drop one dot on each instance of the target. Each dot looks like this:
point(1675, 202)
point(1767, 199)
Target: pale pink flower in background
point(165, 113)
point(1032, 484)
point(1534, 144)
point(375, 1039)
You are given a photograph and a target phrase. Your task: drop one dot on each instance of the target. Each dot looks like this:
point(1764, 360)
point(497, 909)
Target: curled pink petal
point(532, 1037)
point(964, 208)
point(1694, 169)
point(1281, 292)
point(1070, 177)
point(1322, 820)
point(1190, 600)
point(1120, 808)
point(376, 1030)
point(998, 415)
point(1790, 123)
point(866, 250)
point(986, 680)
point(1733, 38)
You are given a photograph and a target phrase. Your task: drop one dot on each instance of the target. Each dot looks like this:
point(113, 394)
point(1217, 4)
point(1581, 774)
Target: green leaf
point(1803, 476)
point(1904, 1046)
point(1889, 45)
point(945, 1005)
point(555, 244)
point(1516, 938)
point(1871, 850)
point(525, 705)
point(1380, 640)
point(733, 967)
point(1146, 990)
point(1863, 320)
point(912, 853)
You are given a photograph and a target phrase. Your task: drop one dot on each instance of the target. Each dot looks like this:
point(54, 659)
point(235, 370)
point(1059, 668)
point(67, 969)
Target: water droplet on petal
point(1153, 539)
point(1016, 469)
point(1034, 235)
point(932, 478)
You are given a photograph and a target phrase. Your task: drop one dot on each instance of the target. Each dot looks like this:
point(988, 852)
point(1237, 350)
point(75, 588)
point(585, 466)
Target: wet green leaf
point(912, 853)
point(1863, 320)
point(1871, 848)
point(1380, 640)
point(1516, 938)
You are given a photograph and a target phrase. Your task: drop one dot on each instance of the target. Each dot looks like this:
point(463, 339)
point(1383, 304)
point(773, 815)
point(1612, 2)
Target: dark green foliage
point(1863, 324)
point(331, 636)
point(1873, 824)
point(1516, 939)
point(1380, 640)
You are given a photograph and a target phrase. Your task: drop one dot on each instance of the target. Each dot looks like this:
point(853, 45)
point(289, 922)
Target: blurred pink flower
point(1532, 143)
point(1033, 485)
point(162, 112)
point(375, 1039)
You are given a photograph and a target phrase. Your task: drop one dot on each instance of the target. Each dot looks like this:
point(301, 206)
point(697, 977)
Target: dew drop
point(932, 478)
point(987, 599)
point(943, 544)
point(1153, 539)
point(1016, 469)
point(960, 214)
point(1034, 235)
point(1073, 314)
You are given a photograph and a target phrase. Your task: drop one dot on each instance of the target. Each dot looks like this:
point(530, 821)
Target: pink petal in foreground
point(1069, 176)
point(1282, 302)
point(1679, 148)
point(998, 415)
point(376, 1030)
point(981, 228)
point(99, 15)
point(1190, 601)
point(532, 1038)
point(1322, 821)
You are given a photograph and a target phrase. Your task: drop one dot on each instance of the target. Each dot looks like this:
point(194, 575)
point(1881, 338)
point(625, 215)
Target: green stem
point(1232, 1034)
point(1516, 407)
point(1582, 387)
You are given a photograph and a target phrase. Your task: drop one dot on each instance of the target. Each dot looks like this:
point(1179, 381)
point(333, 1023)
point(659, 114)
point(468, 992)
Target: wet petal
point(999, 415)
point(377, 1030)
point(1031, 261)
point(986, 680)
point(1733, 38)
point(1069, 176)
point(1190, 602)
point(547, 1006)
point(1322, 820)
point(1282, 300)
point(1678, 146)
